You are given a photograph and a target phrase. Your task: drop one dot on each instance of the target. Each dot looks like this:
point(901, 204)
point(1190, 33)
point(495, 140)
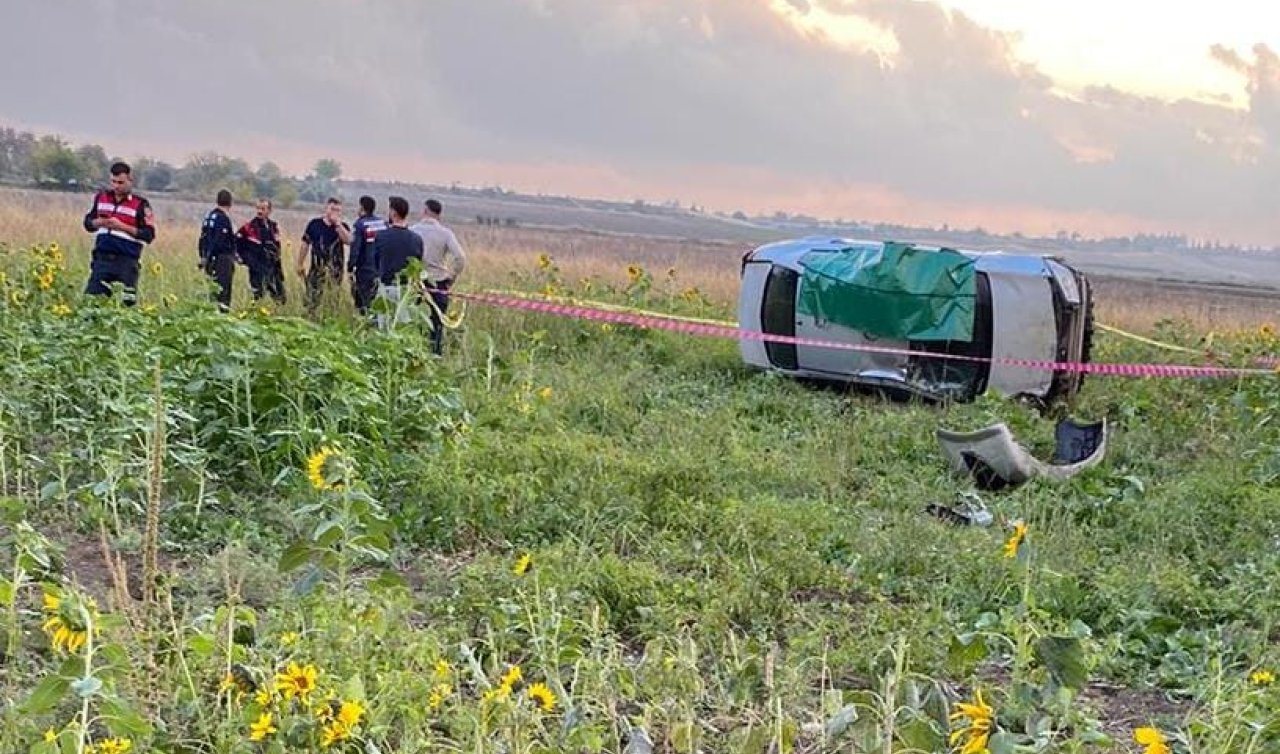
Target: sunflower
point(980, 718)
point(634, 273)
point(333, 733)
point(442, 669)
point(262, 728)
point(544, 261)
point(316, 468)
point(297, 680)
point(64, 635)
point(156, 268)
point(1152, 739)
point(1262, 678)
point(60, 310)
point(114, 746)
point(349, 714)
point(512, 677)
point(543, 695)
point(438, 694)
point(1014, 544)
point(522, 566)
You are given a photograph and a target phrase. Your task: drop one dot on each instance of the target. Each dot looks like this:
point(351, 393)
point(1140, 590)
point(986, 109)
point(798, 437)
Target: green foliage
point(717, 559)
point(55, 162)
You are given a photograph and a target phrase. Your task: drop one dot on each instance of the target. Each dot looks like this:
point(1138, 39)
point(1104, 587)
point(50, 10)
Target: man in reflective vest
point(259, 242)
point(123, 223)
point(362, 265)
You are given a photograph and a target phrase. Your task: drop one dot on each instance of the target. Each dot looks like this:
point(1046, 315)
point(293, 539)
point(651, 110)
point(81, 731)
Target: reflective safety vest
point(133, 211)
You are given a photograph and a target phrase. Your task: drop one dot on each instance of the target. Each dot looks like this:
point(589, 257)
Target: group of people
point(380, 250)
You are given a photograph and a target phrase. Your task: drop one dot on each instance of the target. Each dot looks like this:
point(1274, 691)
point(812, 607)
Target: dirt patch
point(1122, 709)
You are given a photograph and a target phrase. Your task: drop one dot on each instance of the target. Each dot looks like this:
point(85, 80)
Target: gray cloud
point(652, 87)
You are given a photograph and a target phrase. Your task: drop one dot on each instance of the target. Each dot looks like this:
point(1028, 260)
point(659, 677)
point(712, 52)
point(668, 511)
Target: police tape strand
point(657, 321)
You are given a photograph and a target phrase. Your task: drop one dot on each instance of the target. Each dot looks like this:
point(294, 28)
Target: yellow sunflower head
point(321, 469)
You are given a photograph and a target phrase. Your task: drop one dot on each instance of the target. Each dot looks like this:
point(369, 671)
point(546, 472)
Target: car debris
point(997, 462)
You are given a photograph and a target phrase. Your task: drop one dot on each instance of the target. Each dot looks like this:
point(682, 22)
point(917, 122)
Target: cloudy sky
point(1095, 115)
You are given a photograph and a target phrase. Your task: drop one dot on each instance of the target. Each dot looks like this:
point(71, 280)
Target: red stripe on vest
point(126, 211)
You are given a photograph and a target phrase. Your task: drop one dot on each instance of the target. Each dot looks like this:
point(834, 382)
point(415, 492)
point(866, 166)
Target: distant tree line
point(49, 161)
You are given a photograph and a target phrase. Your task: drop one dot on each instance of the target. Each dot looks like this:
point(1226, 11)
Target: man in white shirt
point(442, 262)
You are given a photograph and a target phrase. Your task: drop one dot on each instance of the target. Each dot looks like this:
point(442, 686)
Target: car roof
point(789, 253)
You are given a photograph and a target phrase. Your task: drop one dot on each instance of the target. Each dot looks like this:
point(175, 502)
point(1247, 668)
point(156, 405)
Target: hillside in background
point(1168, 258)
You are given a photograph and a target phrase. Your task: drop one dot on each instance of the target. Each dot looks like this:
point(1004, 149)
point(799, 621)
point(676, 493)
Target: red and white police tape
point(657, 321)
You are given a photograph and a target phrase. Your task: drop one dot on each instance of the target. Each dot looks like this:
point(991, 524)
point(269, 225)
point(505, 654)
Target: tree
point(208, 172)
point(53, 162)
point(95, 161)
point(269, 180)
point(328, 169)
point(286, 195)
point(154, 175)
point(18, 148)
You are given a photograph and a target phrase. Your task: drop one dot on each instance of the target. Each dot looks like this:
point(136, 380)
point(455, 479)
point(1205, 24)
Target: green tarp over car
point(892, 290)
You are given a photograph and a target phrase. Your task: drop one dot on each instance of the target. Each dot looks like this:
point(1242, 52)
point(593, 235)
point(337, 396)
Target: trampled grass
point(259, 532)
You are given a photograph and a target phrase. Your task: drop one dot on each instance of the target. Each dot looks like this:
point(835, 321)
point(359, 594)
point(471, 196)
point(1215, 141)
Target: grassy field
point(262, 533)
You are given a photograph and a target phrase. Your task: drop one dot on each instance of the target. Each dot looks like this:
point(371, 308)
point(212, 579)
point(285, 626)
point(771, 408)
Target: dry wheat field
point(711, 267)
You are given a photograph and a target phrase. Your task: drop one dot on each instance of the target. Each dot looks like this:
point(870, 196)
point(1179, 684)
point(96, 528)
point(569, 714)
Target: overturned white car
point(924, 301)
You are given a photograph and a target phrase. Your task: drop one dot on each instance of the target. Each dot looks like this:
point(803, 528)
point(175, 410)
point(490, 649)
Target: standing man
point(442, 262)
point(123, 223)
point(218, 249)
point(259, 243)
point(323, 244)
point(363, 266)
point(394, 246)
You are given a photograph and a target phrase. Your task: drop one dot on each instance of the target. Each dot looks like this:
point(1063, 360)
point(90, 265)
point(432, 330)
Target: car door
point(844, 361)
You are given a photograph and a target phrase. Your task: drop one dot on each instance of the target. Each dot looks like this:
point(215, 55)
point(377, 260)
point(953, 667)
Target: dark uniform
point(218, 254)
point(117, 255)
point(259, 243)
point(363, 266)
point(327, 255)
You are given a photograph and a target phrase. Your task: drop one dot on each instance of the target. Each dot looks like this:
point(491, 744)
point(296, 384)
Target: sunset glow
point(1138, 46)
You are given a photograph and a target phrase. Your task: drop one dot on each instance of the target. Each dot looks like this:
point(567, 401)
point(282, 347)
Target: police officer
point(123, 224)
point(362, 264)
point(218, 249)
point(259, 244)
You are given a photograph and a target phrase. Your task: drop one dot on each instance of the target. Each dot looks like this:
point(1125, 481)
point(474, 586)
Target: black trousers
point(364, 288)
point(222, 269)
point(320, 278)
point(440, 295)
point(106, 269)
point(266, 277)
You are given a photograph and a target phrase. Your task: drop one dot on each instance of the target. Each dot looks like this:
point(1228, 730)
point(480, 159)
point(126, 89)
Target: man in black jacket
point(393, 247)
point(362, 265)
point(259, 243)
point(218, 249)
